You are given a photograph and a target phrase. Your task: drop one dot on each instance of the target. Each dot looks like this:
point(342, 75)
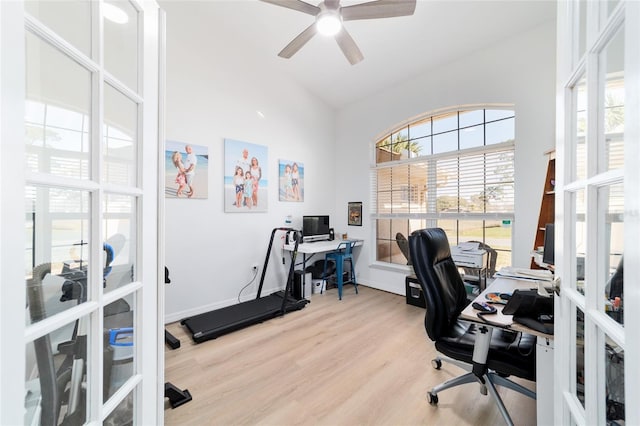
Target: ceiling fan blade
point(378, 9)
point(349, 47)
point(298, 5)
point(297, 43)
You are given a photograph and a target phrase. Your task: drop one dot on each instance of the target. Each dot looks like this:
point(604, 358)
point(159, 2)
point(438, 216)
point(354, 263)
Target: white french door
point(80, 165)
point(597, 213)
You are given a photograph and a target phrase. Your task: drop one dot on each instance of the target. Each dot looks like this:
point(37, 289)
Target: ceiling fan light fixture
point(329, 23)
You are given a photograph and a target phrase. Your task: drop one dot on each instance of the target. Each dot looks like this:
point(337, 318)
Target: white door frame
point(148, 379)
point(595, 31)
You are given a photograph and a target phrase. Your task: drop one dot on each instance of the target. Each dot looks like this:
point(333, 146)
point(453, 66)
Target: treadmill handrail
point(266, 260)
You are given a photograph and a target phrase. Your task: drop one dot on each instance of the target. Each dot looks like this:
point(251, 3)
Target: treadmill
point(210, 325)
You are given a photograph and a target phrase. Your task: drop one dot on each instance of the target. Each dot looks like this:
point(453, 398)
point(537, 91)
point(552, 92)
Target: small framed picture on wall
point(354, 212)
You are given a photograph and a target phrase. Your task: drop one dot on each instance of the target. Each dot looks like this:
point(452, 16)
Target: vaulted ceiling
point(394, 49)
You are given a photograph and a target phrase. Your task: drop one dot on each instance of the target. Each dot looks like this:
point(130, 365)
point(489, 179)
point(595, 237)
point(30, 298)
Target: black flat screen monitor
point(315, 228)
point(548, 250)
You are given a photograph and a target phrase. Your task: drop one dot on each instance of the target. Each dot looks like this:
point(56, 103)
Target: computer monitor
point(549, 241)
point(315, 228)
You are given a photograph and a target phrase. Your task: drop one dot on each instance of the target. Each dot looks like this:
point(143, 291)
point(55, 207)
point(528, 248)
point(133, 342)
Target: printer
point(468, 255)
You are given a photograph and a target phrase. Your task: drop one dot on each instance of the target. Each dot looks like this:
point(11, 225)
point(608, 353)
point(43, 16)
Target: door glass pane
point(611, 62)
point(580, 131)
point(611, 198)
point(121, 41)
point(580, 239)
point(57, 241)
point(120, 242)
point(579, 366)
point(614, 382)
point(58, 111)
point(582, 28)
point(122, 414)
point(119, 351)
point(55, 375)
point(120, 138)
point(70, 19)
point(611, 5)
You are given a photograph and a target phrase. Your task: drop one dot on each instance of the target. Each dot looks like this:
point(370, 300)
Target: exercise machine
point(176, 396)
point(213, 324)
point(58, 396)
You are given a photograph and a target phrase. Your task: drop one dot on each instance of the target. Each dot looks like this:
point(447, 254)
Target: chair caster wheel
point(433, 398)
point(483, 389)
point(436, 363)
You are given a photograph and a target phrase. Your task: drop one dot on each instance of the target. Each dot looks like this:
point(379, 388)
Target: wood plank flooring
point(365, 360)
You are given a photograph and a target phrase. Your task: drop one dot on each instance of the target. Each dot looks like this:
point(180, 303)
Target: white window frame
point(430, 217)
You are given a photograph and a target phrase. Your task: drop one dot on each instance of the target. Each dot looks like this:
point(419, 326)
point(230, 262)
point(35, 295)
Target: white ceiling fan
point(330, 15)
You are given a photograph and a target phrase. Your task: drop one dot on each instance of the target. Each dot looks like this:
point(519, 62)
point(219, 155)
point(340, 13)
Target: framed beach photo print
point(290, 180)
point(354, 212)
point(245, 177)
point(186, 170)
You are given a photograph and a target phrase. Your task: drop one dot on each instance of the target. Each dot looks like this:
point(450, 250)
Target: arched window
point(452, 169)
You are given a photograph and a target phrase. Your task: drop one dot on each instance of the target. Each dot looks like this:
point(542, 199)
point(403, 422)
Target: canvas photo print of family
point(291, 180)
point(245, 177)
point(186, 170)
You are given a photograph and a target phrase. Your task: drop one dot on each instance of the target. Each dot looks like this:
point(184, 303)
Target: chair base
point(488, 382)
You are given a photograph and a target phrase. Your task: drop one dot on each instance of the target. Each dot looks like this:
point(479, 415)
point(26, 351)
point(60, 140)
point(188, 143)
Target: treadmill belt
point(210, 325)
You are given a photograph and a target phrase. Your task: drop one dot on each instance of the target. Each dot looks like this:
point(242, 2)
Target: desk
point(544, 347)
point(312, 248)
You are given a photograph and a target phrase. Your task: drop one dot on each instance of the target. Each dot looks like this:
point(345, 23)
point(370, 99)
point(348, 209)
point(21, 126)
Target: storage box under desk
point(413, 291)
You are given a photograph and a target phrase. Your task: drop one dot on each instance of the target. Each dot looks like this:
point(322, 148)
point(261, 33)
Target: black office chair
point(403, 245)
point(445, 297)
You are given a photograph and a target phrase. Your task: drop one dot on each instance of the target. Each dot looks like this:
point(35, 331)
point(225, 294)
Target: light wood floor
point(364, 360)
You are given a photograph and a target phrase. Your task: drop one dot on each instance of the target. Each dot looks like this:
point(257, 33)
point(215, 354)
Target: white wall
point(213, 92)
point(520, 70)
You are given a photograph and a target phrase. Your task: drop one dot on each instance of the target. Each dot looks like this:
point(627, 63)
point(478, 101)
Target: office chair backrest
point(616, 282)
point(403, 245)
point(442, 287)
